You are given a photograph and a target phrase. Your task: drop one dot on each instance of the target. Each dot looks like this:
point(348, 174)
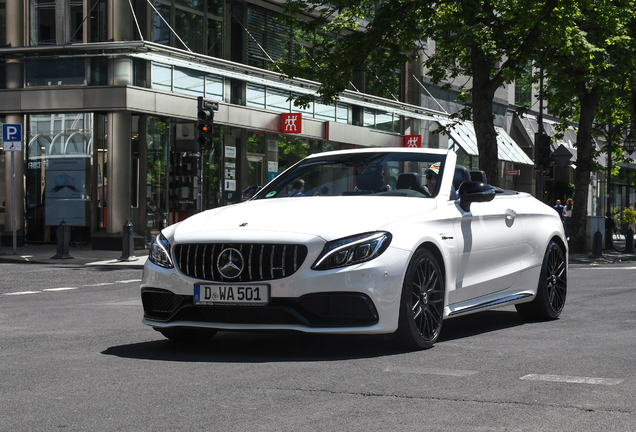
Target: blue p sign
point(12, 137)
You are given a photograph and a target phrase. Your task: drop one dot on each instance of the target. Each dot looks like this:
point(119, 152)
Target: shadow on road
point(263, 347)
point(479, 323)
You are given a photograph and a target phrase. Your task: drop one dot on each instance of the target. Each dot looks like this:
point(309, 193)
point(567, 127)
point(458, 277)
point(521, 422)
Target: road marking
point(430, 371)
point(60, 289)
point(23, 293)
point(606, 268)
point(572, 379)
point(69, 288)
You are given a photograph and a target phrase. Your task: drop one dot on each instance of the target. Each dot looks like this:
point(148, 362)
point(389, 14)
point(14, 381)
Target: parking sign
point(12, 137)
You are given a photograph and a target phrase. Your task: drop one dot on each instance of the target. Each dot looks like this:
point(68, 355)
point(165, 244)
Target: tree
point(588, 67)
point(490, 42)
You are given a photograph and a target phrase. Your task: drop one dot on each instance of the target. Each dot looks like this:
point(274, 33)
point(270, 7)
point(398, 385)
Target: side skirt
point(488, 304)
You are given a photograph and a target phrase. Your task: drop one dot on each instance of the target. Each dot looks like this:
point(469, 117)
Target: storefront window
point(189, 27)
point(188, 81)
point(58, 176)
point(325, 112)
point(197, 27)
point(278, 100)
point(55, 71)
point(157, 139)
point(255, 95)
point(161, 77)
point(214, 87)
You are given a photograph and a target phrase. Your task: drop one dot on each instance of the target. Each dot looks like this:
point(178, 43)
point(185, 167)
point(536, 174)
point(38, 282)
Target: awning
point(531, 126)
point(507, 150)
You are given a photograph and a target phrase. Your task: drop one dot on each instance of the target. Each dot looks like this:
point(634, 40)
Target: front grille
point(260, 262)
point(312, 310)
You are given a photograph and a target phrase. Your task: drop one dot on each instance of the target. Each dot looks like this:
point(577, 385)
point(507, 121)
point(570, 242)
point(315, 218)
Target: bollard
point(629, 241)
point(63, 237)
point(597, 247)
point(128, 243)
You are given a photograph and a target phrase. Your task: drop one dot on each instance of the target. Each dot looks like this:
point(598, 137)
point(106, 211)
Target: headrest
point(461, 175)
point(409, 180)
point(371, 179)
point(479, 176)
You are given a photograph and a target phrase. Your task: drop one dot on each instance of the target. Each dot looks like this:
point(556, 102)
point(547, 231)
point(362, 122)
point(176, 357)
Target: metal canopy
point(507, 150)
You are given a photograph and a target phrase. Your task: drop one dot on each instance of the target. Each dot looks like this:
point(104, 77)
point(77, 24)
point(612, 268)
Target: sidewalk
point(82, 255)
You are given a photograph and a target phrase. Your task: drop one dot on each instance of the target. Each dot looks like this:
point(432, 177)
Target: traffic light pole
point(205, 140)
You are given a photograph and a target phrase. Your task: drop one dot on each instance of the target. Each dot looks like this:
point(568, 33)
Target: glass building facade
point(106, 91)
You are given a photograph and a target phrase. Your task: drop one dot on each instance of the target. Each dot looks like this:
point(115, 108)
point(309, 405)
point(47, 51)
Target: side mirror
point(472, 191)
point(250, 192)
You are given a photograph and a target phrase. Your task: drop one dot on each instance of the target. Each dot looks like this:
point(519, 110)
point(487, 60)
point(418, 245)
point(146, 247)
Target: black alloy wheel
point(552, 289)
point(422, 302)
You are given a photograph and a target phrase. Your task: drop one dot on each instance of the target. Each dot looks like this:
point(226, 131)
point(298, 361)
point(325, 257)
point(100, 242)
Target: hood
point(326, 217)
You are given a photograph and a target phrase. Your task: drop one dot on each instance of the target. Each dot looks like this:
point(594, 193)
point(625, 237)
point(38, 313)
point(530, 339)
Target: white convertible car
point(371, 241)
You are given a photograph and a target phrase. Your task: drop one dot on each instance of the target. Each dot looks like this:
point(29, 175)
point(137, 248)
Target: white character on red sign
point(290, 123)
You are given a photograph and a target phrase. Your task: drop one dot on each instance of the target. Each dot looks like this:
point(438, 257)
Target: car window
point(357, 174)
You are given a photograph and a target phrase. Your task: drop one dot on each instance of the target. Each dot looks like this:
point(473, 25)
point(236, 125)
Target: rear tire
point(422, 302)
point(552, 289)
point(187, 335)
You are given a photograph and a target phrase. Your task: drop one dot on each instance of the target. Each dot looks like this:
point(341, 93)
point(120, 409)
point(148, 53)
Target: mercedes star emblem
point(230, 263)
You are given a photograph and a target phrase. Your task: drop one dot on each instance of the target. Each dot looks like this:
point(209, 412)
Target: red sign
point(413, 141)
point(514, 172)
point(292, 122)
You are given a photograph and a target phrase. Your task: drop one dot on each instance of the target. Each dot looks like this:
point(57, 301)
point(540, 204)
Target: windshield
point(364, 173)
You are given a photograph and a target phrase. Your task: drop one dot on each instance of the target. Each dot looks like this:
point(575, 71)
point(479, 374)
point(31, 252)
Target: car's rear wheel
point(187, 335)
point(552, 289)
point(422, 302)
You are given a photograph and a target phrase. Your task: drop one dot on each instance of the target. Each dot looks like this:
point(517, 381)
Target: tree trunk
point(486, 137)
point(483, 93)
point(578, 230)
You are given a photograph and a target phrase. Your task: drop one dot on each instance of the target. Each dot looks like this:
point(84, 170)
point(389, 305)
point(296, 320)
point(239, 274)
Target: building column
point(140, 224)
point(119, 172)
point(15, 79)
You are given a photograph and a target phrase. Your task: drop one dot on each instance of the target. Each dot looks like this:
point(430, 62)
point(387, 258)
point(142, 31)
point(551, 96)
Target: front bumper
point(356, 299)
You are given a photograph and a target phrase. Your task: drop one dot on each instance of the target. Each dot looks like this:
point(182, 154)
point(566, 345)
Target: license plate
point(232, 295)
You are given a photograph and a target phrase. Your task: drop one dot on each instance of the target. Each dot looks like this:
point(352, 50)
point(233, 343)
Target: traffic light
point(205, 124)
point(544, 150)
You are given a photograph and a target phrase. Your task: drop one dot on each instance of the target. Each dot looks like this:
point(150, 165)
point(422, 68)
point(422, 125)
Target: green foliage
point(290, 151)
point(629, 215)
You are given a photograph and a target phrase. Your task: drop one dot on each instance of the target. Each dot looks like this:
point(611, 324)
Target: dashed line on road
point(70, 288)
point(605, 268)
point(60, 289)
point(572, 379)
point(22, 293)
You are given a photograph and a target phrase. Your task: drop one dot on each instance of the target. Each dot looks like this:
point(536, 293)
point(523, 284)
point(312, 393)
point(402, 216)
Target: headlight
point(160, 252)
point(352, 250)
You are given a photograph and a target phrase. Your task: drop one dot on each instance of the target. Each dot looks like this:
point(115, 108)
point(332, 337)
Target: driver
point(431, 177)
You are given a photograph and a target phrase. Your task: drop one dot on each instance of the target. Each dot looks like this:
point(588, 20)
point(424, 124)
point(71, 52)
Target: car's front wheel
point(187, 335)
point(552, 289)
point(422, 302)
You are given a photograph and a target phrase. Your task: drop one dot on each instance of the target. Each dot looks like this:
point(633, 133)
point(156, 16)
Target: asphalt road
point(74, 356)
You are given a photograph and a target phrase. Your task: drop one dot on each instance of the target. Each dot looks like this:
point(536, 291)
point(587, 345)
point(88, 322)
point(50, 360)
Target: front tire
point(422, 302)
point(552, 289)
